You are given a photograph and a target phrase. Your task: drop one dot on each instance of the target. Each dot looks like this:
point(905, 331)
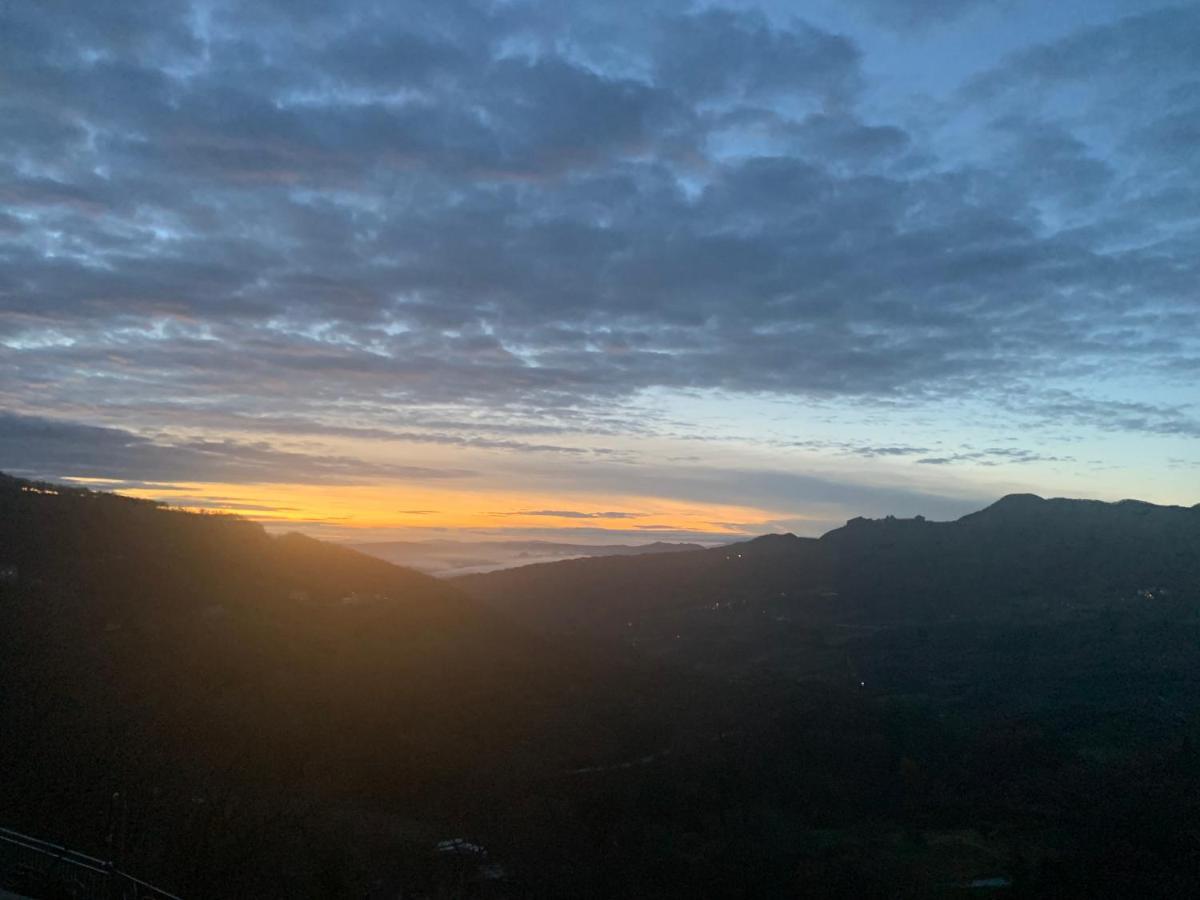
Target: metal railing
point(46, 871)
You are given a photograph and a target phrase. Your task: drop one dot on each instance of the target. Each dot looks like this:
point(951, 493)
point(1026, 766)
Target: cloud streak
point(572, 514)
point(35, 447)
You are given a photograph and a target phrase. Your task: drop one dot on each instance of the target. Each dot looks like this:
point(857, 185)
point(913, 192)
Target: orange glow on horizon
point(421, 507)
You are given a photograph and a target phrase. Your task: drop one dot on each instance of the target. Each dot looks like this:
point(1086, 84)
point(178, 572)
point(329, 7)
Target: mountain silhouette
point(223, 679)
point(898, 708)
point(1021, 555)
point(451, 557)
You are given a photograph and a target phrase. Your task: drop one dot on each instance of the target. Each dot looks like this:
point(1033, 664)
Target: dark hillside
point(602, 595)
point(897, 709)
point(1020, 556)
point(1013, 694)
point(242, 692)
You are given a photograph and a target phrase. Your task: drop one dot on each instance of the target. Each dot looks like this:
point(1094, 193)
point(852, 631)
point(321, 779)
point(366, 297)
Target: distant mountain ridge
point(1021, 552)
point(454, 557)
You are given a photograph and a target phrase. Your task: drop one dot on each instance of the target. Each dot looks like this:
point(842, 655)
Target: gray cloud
point(866, 450)
point(823, 498)
point(551, 209)
point(1142, 50)
point(45, 448)
point(585, 534)
point(228, 505)
point(908, 14)
point(573, 514)
point(1136, 416)
point(720, 53)
point(993, 456)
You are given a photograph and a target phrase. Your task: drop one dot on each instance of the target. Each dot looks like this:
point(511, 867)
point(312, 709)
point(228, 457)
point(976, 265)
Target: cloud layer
point(339, 218)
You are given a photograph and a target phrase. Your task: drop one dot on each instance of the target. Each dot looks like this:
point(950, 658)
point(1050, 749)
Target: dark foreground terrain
point(1004, 706)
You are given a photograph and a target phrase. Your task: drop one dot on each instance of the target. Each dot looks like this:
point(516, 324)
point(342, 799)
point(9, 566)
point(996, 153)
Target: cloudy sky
point(601, 270)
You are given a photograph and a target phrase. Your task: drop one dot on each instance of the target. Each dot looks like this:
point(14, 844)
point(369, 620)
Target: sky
point(600, 271)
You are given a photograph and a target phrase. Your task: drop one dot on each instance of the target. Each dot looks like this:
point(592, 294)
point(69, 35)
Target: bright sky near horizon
point(601, 271)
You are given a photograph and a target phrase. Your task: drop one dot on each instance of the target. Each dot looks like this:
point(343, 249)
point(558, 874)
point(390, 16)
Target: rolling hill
point(447, 558)
point(1022, 556)
point(222, 680)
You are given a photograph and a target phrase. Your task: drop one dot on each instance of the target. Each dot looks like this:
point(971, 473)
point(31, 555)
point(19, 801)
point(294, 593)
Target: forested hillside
point(264, 703)
point(901, 709)
point(1023, 556)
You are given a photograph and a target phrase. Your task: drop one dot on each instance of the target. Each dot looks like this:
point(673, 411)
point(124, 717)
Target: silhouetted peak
point(1018, 501)
point(766, 541)
point(765, 545)
point(1010, 506)
point(862, 523)
point(1136, 505)
point(1028, 509)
